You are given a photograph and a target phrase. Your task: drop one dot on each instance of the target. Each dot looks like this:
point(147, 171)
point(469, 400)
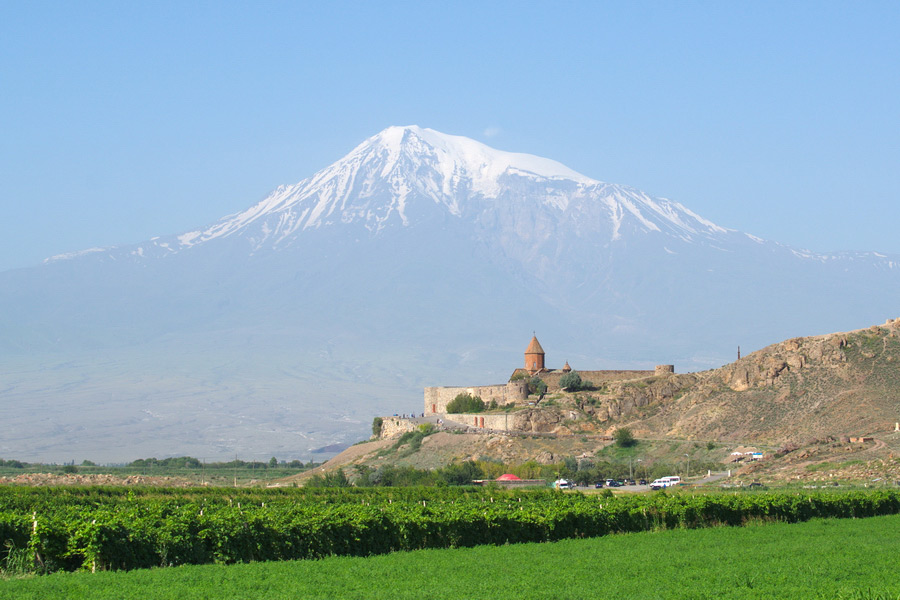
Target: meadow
point(834, 559)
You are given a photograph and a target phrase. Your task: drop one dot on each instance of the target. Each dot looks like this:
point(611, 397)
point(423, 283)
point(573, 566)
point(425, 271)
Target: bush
point(571, 382)
point(465, 403)
point(537, 386)
point(377, 422)
point(624, 438)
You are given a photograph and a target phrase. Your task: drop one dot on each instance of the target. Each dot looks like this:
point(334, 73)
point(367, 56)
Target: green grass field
point(821, 559)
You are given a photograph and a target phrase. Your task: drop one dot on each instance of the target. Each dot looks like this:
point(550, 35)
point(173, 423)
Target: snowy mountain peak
point(458, 156)
point(402, 173)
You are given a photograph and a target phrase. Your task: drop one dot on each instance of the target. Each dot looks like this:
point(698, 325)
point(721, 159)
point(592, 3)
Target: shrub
point(377, 423)
point(624, 438)
point(571, 382)
point(537, 386)
point(465, 403)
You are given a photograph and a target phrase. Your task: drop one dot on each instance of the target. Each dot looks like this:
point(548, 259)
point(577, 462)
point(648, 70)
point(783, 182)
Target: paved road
point(646, 488)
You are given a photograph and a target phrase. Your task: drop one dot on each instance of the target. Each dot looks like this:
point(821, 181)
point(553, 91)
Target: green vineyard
point(53, 529)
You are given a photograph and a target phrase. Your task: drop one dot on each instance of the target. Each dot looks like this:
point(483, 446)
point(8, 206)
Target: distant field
point(213, 475)
point(820, 559)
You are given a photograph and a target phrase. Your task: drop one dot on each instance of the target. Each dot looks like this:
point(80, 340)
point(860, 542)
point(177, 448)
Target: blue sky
point(120, 121)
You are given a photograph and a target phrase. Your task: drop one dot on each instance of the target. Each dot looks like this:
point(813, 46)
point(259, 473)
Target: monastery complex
point(515, 391)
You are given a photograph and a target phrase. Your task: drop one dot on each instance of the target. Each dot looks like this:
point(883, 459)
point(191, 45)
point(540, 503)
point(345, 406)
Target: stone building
point(515, 391)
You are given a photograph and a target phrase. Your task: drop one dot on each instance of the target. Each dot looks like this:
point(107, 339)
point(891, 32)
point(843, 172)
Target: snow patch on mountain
point(76, 254)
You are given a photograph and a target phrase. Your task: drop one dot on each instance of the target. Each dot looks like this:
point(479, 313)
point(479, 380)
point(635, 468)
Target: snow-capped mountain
point(384, 176)
point(402, 171)
point(419, 258)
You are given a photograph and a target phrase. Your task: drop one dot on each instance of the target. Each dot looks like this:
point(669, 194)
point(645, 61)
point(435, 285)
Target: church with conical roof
point(534, 356)
point(516, 391)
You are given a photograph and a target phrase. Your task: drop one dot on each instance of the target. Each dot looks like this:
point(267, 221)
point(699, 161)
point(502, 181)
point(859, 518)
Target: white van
point(664, 482)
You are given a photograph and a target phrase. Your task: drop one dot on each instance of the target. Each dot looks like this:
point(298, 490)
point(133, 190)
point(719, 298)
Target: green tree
point(461, 473)
point(336, 479)
point(537, 386)
point(377, 423)
point(624, 438)
point(465, 403)
point(571, 382)
point(273, 462)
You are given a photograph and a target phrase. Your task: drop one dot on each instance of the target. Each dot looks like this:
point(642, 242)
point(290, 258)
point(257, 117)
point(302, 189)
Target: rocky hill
point(802, 400)
point(842, 384)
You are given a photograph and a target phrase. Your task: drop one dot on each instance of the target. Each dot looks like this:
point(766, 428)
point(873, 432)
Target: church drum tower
point(534, 357)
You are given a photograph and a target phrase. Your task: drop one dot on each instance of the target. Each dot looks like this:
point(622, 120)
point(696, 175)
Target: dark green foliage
point(624, 438)
point(465, 403)
point(377, 423)
point(332, 479)
point(537, 386)
point(461, 473)
point(571, 382)
point(181, 462)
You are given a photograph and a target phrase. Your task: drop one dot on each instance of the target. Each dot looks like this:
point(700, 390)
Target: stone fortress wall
point(437, 398)
point(501, 422)
point(597, 378)
point(396, 426)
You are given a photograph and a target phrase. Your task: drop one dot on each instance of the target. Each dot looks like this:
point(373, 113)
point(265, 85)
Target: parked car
point(598, 485)
point(630, 482)
point(642, 482)
point(612, 483)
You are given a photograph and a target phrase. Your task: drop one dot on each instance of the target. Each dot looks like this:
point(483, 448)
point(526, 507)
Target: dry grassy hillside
point(843, 384)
